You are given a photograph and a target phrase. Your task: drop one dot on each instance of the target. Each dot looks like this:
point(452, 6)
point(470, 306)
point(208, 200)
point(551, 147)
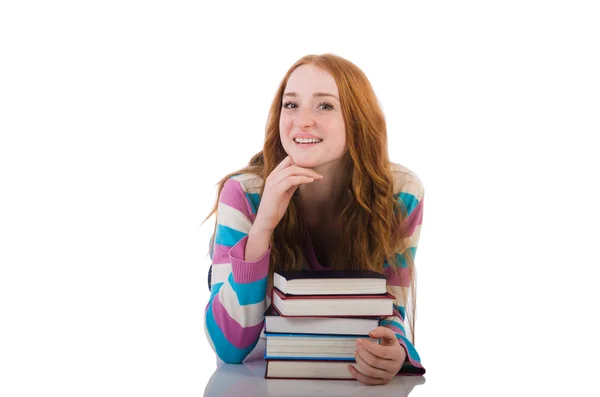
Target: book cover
point(284, 296)
point(330, 274)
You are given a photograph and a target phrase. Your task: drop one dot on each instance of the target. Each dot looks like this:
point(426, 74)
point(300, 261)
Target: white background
point(117, 119)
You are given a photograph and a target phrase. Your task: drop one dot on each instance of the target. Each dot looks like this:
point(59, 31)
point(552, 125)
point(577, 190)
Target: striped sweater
point(234, 315)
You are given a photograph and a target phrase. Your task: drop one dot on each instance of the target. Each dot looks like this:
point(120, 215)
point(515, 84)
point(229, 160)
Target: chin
point(306, 163)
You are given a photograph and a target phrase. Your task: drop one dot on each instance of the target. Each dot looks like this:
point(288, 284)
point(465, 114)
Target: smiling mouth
point(307, 141)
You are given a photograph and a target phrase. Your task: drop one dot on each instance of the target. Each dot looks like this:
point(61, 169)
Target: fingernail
point(320, 176)
point(359, 342)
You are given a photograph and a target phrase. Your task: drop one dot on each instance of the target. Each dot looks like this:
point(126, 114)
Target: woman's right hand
point(280, 185)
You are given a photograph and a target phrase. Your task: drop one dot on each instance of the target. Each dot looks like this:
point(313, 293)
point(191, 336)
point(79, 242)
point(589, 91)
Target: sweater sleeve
point(234, 315)
point(398, 281)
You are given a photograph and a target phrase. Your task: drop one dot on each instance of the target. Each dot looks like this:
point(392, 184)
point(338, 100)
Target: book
point(286, 369)
point(312, 347)
point(333, 305)
point(330, 282)
point(275, 323)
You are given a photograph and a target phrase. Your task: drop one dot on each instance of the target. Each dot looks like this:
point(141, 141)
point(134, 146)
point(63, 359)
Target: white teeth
point(307, 140)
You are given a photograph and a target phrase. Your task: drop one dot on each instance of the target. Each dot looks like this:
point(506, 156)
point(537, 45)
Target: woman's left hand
point(379, 363)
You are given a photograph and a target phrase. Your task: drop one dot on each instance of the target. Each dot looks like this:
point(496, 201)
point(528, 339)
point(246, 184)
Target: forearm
point(258, 243)
point(235, 312)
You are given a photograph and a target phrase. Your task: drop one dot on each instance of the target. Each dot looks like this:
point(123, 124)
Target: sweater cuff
point(248, 272)
point(410, 365)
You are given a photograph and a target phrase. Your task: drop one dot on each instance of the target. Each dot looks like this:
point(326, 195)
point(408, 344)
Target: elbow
point(230, 354)
point(230, 357)
point(224, 350)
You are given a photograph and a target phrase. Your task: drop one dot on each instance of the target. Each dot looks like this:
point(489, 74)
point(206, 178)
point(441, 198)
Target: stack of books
point(315, 318)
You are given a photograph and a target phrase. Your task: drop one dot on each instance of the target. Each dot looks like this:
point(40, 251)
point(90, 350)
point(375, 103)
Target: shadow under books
point(248, 379)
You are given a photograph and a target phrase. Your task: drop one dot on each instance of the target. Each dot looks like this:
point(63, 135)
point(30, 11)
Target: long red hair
point(372, 219)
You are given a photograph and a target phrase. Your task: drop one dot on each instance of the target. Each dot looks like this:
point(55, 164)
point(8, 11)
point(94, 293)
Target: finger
point(386, 336)
point(381, 351)
point(367, 380)
point(295, 181)
point(295, 170)
point(374, 361)
point(286, 162)
point(384, 333)
point(367, 368)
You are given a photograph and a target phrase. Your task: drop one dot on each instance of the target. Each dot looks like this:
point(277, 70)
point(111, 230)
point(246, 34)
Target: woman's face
point(311, 110)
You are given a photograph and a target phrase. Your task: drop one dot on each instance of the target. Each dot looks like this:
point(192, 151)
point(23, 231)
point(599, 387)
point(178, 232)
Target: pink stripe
point(248, 272)
point(237, 335)
point(396, 329)
point(234, 196)
point(397, 276)
point(221, 254)
point(415, 219)
point(398, 315)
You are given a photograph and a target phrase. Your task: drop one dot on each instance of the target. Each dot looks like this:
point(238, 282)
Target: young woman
point(322, 194)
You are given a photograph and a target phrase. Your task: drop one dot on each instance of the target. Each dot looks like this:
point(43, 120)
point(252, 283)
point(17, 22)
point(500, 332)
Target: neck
point(321, 200)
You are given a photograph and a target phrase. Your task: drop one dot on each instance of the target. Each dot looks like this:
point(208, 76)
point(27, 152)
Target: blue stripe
point(401, 310)
point(227, 236)
point(249, 293)
point(386, 323)
point(225, 350)
point(254, 200)
point(215, 289)
point(400, 259)
point(412, 352)
point(413, 252)
point(407, 201)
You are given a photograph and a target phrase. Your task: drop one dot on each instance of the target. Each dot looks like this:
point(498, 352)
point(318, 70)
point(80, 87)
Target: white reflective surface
point(248, 379)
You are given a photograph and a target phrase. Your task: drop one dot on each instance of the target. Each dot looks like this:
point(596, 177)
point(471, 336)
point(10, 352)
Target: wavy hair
point(372, 219)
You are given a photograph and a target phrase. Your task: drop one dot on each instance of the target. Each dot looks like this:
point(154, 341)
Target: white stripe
point(246, 315)
point(251, 183)
point(397, 290)
point(245, 177)
point(410, 187)
point(414, 239)
point(407, 181)
point(233, 218)
point(219, 273)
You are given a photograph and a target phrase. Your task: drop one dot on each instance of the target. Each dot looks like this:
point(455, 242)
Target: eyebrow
point(316, 94)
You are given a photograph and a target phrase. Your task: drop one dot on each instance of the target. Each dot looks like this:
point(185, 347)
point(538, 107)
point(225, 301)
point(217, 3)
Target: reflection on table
point(248, 380)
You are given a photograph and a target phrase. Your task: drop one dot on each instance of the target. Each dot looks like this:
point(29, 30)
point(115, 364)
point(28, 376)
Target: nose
point(304, 118)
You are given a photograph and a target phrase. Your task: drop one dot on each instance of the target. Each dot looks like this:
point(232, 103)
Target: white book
point(330, 282)
point(285, 369)
point(312, 347)
point(333, 305)
point(275, 323)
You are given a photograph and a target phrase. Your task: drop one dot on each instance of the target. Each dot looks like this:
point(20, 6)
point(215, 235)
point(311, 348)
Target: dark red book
point(330, 282)
point(381, 305)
